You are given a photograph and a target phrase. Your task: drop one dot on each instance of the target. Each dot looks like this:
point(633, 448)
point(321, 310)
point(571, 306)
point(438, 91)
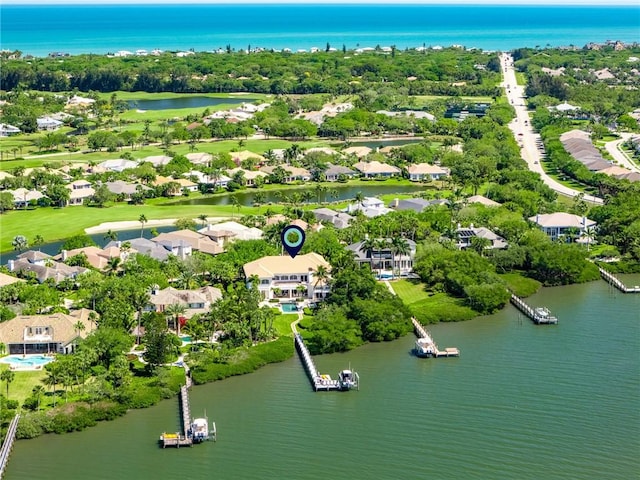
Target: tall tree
point(142, 219)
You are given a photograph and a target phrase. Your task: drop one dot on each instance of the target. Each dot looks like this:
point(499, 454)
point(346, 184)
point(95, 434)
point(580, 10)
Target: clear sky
point(234, 2)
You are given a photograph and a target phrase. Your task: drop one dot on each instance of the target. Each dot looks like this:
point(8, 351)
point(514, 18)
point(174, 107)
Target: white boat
point(425, 347)
point(199, 430)
point(542, 312)
point(347, 380)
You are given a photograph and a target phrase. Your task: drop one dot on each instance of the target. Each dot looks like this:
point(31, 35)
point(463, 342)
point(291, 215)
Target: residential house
point(284, 277)
point(46, 334)
point(79, 192)
point(293, 173)
point(417, 114)
point(563, 225)
point(423, 171)
point(194, 301)
point(376, 169)
point(465, 237)
point(202, 178)
point(383, 258)
point(117, 165)
point(157, 160)
point(96, 256)
point(415, 204)
point(43, 267)
point(338, 219)
point(487, 202)
point(7, 130)
point(182, 184)
point(333, 173)
point(199, 158)
point(248, 175)
point(125, 189)
point(144, 246)
point(226, 232)
point(9, 280)
point(23, 197)
point(370, 207)
point(578, 144)
point(359, 151)
point(196, 241)
point(80, 103)
point(48, 123)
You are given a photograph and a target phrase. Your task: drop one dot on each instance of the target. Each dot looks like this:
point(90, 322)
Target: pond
point(381, 143)
point(186, 102)
point(335, 193)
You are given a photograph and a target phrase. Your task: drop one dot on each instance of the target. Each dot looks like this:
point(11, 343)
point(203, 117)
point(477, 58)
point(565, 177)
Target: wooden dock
point(318, 380)
point(7, 444)
point(426, 344)
point(611, 279)
point(539, 315)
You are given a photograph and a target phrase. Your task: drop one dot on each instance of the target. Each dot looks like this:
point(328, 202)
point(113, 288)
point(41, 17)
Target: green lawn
point(520, 285)
point(521, 79)
point(22, 384)
point(430, 307)
point(282, 324)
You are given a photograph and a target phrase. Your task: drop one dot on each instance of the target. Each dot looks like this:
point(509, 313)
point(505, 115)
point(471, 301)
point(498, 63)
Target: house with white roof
point(79, 192)
point(424, 171)
point(117, 165)
point(562, 225)
point(7, 130)
point(370, 207)
point(157, 160)
point(199, 158)
point(48, 123)
point(339, 220)
point(293, 173)
point(248, 175)
point(466, 235)
point(284, 277)
point(23, 197)
point(382, 257)
point(196, 301)
point(376, 169)
point(225, 232)
point(203, 178)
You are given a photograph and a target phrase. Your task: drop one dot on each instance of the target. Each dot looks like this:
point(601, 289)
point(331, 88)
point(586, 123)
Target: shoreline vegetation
point(105, 376)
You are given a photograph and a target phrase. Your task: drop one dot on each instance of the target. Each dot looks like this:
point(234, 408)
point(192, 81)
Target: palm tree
point(175, 310)
point(37, 241)
point(142, 219)
point(110, 235)
point(589, 235)
point(20, 243)
point(8, 376)
point(368, 245)
point(37, 392)
point(113, 264)
point(235, 202)
point(203, 218)
point(359, 198)
point(381, 244)
point(399, 247)
point(79, 327)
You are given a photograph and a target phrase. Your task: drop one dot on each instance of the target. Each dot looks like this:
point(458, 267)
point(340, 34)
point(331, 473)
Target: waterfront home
point(333, 173)
point(23, 197)
point(416, 204)
point(293, 173)
point(226, 232)
point(96, 257)
point(249, 176)
point(181, 184)
point(42, 267)
point(79, 192)
point(338, 219)
point(370, 207)
point(7, 130)
point(144, 246)
point(382, 257)
point(48, 123)
point(195, 301)
point(284, 277)
point(202, 178)
point(421, 172)
point(51, 333)
point(465, 236)
point(563, 225)
point(376, 169)
point(196, 241)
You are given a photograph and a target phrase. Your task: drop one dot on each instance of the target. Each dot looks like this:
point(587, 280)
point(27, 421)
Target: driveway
point(614, 150)
point(530, 141)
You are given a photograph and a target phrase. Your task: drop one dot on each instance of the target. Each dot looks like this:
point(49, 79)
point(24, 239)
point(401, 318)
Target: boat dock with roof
point(425, 345)
point(539, 315)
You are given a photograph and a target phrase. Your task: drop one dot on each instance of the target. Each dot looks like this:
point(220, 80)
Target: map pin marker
point(292, 239)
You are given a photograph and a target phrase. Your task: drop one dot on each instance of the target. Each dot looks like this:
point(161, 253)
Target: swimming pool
point(185, 338)
point(26, 362)
point(289, 307)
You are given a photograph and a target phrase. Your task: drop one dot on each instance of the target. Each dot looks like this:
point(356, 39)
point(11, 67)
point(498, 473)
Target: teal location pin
point(292, 239)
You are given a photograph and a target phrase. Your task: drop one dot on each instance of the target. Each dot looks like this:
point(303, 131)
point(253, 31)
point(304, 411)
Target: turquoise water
point(522, 402)
point(185, 338)
point(289, 307)
point(39, 30)
point(28, 361)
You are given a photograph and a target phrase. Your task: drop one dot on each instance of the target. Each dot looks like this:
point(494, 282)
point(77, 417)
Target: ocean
point(40, 30)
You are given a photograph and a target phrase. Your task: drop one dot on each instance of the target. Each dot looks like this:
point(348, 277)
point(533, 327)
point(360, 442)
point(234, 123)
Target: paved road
point(614, 150)
point(530, 141)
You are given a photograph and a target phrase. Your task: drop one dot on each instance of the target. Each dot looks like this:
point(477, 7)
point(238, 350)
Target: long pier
point(7, 444)
point(611, 279)
point(426, 346)
point(539, 315)
point(320, 381)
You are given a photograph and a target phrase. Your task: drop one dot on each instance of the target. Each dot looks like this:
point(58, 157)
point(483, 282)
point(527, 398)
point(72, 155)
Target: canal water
point(521, 402)
point(341, 192)
point(186, 102)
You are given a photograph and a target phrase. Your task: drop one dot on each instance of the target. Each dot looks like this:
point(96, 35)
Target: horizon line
point(505, 3)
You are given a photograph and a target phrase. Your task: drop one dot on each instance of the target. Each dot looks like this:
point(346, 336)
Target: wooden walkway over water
point(7, 444)
point(611, 279)
point(426, 346)
point(318, 380)
point(539, 315)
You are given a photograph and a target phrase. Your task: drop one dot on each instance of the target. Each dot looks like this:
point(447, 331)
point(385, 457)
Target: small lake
point(186, 102)
point(381, 143)
point(336, 193)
